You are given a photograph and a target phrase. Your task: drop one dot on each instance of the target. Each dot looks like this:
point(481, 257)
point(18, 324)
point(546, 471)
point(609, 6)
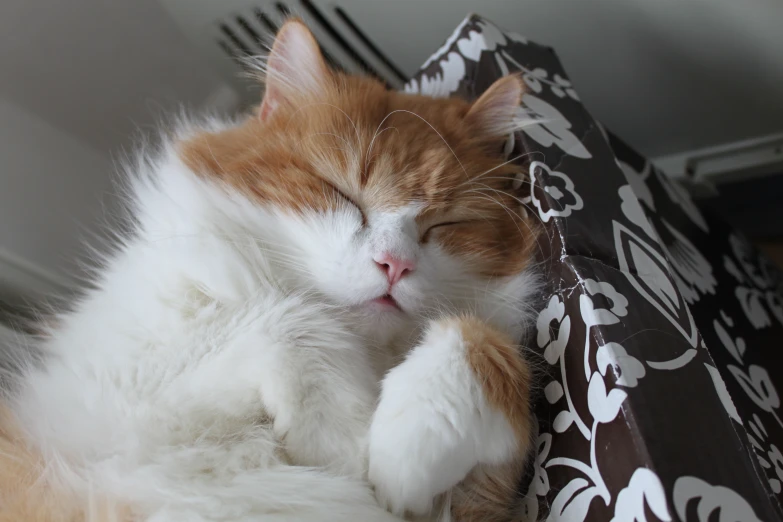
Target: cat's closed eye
point(345, 197)
point(426, 235)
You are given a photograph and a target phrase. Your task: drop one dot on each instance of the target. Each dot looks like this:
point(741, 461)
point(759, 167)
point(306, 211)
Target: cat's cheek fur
point(334, 254)
point(457, 401)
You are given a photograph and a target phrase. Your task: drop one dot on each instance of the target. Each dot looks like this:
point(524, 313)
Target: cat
point(314, 316)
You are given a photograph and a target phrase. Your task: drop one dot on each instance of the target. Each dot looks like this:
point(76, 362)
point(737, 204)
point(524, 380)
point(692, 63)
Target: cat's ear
point(295, 67)
point(496, 112)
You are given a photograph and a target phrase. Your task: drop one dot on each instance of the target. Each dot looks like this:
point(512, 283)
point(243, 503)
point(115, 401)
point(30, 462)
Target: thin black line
point(283, 9)
point(321, 19)
point(370, 45)
point(230, 52)
point(264, 19)
point(239, 44)
point(257, 38)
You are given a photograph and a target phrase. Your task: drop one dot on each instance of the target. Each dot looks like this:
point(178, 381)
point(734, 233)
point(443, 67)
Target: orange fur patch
point(357, 141)
point(502, 372)
point(26, 494)
point(489, 494)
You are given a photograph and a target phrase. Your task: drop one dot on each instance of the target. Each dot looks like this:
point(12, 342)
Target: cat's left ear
point(295, 68)
point(495, 113)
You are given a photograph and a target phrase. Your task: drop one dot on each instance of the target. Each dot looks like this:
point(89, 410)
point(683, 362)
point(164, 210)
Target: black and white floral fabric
point(660, 328)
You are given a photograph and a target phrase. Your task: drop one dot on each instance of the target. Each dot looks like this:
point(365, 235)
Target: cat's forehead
point(391, 150)
point(382, 149)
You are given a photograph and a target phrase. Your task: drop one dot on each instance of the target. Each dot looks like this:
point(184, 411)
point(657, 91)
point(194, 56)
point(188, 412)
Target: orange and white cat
point(314, 316)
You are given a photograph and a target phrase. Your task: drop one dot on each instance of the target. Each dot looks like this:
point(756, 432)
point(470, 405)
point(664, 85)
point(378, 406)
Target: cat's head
point(395, 205)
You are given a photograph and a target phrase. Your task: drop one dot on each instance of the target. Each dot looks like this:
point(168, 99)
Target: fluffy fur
point(244, 355)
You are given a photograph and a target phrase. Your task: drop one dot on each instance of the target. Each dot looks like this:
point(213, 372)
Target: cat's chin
point(383, 319)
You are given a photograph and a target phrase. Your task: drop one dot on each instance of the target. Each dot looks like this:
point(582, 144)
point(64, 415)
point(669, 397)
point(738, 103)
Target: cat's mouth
point(387, 301)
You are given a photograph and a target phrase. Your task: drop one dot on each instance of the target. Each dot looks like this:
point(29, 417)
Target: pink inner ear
point(295, 67)
point(267, 106)
point(493, 112)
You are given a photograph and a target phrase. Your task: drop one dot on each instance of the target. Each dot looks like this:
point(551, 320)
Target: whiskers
point(472, 179)
point(261, 249)
point(431, 126)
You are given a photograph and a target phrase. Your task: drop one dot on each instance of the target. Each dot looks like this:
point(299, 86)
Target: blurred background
point(695, 85)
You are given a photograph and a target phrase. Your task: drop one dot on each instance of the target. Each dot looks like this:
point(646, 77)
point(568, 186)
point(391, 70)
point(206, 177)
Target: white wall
point(52, 187)
point(102, 70)
point(81, 80)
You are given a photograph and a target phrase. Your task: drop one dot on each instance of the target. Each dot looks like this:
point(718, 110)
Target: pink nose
point(395, 268)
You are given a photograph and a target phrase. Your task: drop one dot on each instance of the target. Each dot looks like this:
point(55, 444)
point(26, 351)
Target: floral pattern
point(755, 290)
point(768, 454)
point(644, 489)
point(561, 197)
point(729, 505)
point(553, 128)
point(627, 369)
point(641, 318)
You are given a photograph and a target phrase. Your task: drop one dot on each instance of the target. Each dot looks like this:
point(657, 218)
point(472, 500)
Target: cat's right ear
point(295, 68)
point(493, 115)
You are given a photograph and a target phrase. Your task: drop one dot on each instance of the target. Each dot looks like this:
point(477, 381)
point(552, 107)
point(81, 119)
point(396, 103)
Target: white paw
point(432, 425)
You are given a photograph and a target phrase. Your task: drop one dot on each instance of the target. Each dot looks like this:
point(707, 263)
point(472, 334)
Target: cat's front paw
point(459, 399)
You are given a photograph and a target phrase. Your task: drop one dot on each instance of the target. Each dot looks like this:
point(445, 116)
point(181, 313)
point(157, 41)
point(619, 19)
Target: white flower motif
point(649, 273)
point(563, 420)
point(562, 87)
point(750, 300)
point(776, 460)
point(723, 393)
point(562, 197)
point(680, 196)
point(534, 77)
point(472, 45)
point(572, 502)
point(775, 303)
point(693, 272)
point(770, 459)
point(552, 128)
point(540, 476)
point(735, 347)
point(758, 386)
point(529, 510)
point(626, 367)
point(603, 406)
point(637, 180)
point(539, 486)
point(729, 504)
point(633, 210)
point(444, 82)
point(553, 392)
point(644, 488)
point(452, 65)
point(553, 318)
point(593, 316)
